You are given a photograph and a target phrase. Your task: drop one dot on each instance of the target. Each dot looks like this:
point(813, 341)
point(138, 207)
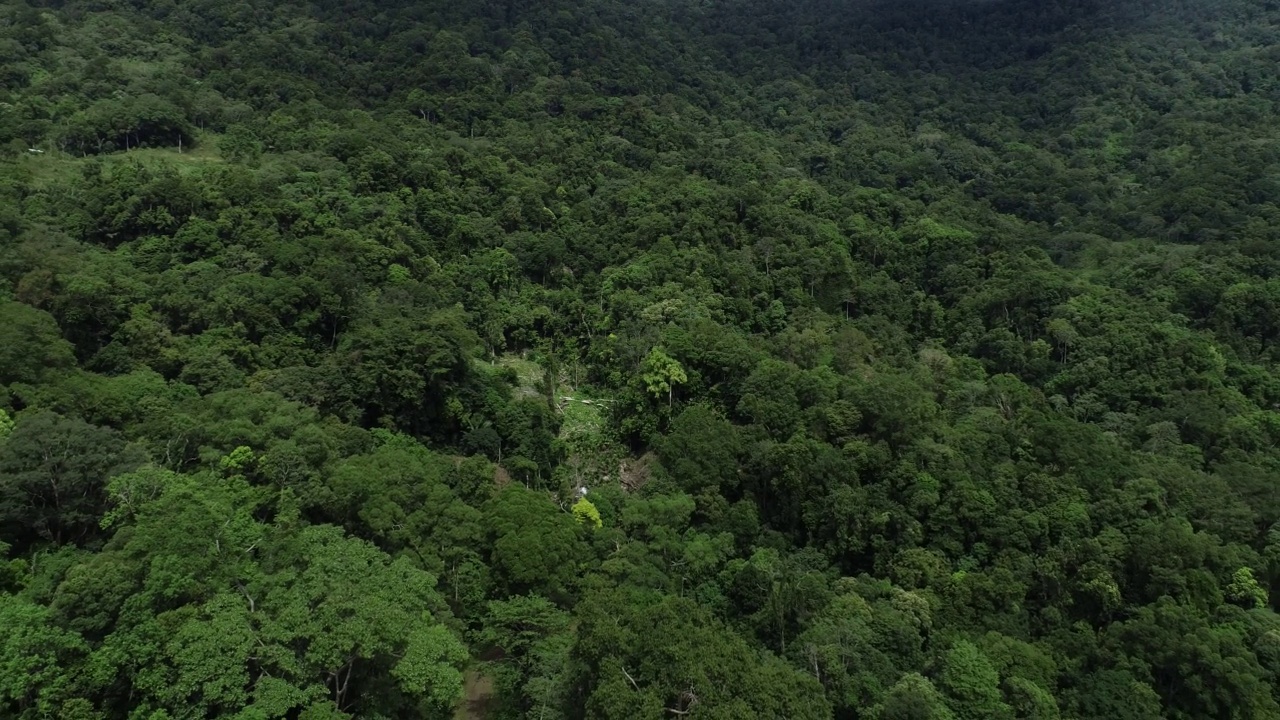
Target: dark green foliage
point(53, 478)
point(535, 546)
point(30, 344)
point(668, 654)
point(701, 452)
point(920, 359)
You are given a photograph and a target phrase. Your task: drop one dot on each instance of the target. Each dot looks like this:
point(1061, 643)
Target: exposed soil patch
point(501, 476)
point(633, 474)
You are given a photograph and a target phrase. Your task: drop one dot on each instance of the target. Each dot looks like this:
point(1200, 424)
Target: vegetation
point(918, 359)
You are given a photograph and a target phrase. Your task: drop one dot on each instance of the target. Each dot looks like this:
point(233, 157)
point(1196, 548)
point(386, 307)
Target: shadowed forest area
point(707, 359)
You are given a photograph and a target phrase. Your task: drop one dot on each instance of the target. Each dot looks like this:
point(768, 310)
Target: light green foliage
point(430, 665)
point(281, 618)
point(585, 512)
point(6, 425)
point(129, 492)
point(842, 643)
point(238, 460)
point(1244, 589)
point(583, 427)
point(972, 685)
point(12, 572)
point(238, 144)
point(34, 654)
point(411, 500)
point(661, 373)
point(1031, 701)
point(398, 274)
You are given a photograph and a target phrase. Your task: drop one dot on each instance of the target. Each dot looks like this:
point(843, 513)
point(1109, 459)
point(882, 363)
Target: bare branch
point(633, 680)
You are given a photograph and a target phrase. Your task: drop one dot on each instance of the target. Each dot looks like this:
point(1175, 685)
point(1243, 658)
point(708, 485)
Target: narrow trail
point(477, 697)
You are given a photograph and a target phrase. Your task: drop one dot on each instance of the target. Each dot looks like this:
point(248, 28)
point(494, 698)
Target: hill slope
point(930, 350)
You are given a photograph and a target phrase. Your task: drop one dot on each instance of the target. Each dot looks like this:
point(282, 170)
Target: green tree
point(666, 653)
point(233, 614)
point(585, 512)
point(535, 639)
point(912, 698)
point(39, 660)
point(700, 451)
point(238, 144)
point(31, 345)
point(1245, 590)
point(971, 684)
point(661, 373)
point(534, 545)
point(53, 477)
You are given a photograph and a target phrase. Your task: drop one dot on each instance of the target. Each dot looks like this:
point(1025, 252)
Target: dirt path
point(477, 697)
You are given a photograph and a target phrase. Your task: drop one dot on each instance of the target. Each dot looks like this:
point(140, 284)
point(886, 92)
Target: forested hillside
point(637, 359)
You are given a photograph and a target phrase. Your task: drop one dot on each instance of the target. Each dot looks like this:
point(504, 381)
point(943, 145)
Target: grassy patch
point(591, 453)
point(528, 373)
point(581, 412)
point(57, 168)
point(582, 424)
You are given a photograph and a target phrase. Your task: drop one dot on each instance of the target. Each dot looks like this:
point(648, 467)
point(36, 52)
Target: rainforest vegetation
point(639, 359)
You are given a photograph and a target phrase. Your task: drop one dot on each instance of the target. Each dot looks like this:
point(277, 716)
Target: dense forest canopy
point(662, 358)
